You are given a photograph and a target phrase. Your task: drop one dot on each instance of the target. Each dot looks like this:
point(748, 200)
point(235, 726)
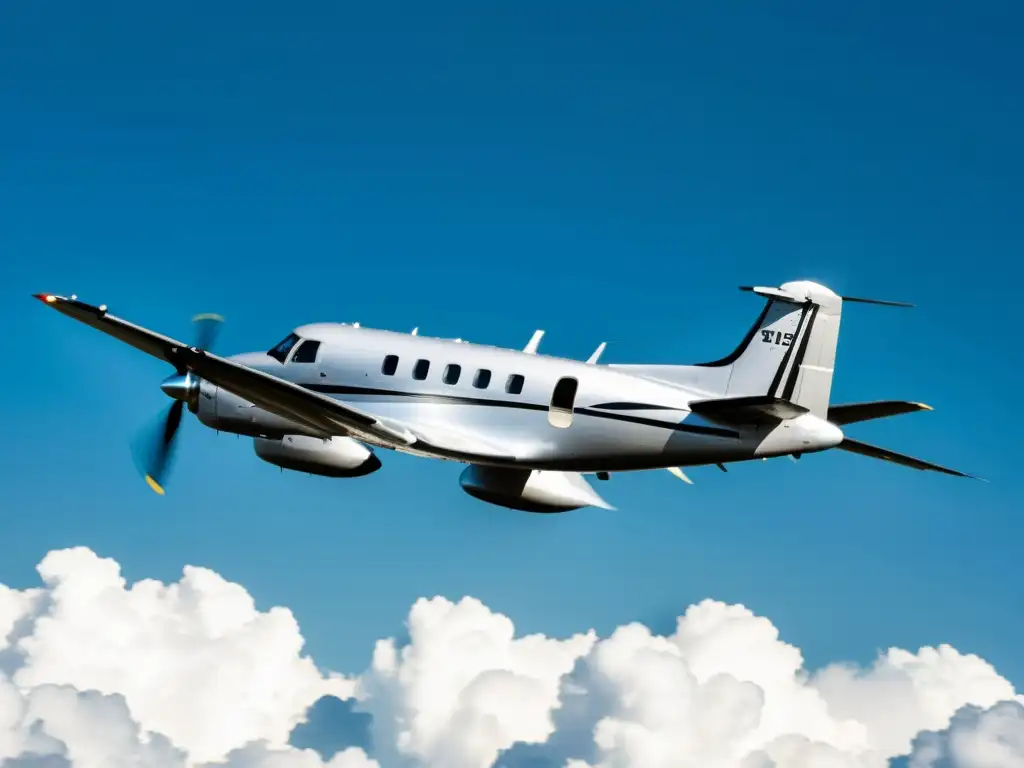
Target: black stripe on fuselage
point(696, 429)
point(345, 389)
point(633, 407)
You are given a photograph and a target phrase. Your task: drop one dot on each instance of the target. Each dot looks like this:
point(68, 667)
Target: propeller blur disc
point(207, 327)
point(154, 449)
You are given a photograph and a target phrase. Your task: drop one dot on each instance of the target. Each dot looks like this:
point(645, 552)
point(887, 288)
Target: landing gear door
point(563, 401)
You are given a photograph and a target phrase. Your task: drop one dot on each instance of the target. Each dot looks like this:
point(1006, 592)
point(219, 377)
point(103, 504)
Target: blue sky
point(608, 172)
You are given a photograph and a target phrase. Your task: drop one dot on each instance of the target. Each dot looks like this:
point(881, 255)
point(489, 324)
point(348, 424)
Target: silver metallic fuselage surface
point(619, 421)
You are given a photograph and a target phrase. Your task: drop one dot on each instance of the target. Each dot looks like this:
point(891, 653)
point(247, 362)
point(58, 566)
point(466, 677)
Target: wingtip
point(46, 298)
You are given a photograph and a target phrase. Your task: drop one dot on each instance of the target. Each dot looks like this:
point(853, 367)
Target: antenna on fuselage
point(416, 331)
point(534, 342)
point(597, 353)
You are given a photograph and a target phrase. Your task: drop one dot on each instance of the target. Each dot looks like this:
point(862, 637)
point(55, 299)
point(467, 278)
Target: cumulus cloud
point(464, 687)
point(975, 738)
point(193, 661)
point(97, 673)
point(724, 690)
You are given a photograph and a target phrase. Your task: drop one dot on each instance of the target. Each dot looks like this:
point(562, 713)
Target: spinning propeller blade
point(207, 328)
point(154, 449)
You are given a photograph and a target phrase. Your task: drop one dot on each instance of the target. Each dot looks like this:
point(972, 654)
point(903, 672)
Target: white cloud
point(976, 738)
point(258, 756)
point(904, 693)
point(96, 673)
point(87, 729)
point(465, 687)
point(193, 661)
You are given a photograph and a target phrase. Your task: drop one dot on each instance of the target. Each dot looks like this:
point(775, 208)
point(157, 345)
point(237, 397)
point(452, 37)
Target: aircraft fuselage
point(550, 413)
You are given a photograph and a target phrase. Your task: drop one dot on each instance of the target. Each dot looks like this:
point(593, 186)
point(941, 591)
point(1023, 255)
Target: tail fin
point(790, 351)
point(789, 354)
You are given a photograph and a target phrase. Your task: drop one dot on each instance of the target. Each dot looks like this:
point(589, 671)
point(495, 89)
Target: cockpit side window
point(280, 352)
point(306, 353)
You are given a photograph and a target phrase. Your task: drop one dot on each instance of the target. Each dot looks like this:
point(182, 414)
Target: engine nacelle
point(334, 457)
point(530, 490)
point(227, 412)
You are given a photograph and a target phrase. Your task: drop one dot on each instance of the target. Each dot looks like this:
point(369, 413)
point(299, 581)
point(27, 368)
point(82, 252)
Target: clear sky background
point(607, 172)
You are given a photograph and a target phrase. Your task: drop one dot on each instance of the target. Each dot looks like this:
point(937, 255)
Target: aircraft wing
point(291, 400)
point(276, 395)
point(150, 342)
point(452, 443)
point(873, 451)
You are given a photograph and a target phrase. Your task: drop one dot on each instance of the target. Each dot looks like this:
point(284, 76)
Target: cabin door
point(563, 400)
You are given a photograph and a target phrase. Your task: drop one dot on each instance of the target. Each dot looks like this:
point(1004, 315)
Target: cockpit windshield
point(280, 352)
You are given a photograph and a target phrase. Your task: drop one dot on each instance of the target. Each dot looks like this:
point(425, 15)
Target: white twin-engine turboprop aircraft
point(528, 426)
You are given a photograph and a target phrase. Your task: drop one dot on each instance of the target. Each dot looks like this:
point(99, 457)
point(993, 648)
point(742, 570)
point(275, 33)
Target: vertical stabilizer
point(790, 351)
point(816, 363)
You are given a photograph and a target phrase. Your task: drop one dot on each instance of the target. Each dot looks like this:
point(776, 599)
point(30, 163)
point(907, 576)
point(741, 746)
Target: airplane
point(528, 426)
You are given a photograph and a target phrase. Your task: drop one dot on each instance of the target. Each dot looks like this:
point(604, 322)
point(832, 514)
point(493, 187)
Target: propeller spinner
point(154, 449)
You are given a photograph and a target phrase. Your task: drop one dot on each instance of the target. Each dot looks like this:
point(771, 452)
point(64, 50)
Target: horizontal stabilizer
point(779, 293)
point(855, 446)
point(756, 409)
point(877, 301)
point(851, 413)
point(774, 293)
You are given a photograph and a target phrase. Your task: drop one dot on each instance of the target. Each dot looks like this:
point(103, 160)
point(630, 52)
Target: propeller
point(207, 327)
point(153, 449)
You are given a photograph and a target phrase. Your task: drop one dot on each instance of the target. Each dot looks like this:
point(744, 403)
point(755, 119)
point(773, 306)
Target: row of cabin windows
point(452, 372)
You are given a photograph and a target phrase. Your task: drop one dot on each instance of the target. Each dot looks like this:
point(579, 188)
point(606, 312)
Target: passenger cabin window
point(482, 379)
point(563, 400)
point(306, 353)
point(421, 369)
point(280, 352)
point(452, 373)
point(514, 385)
point(390, 365)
